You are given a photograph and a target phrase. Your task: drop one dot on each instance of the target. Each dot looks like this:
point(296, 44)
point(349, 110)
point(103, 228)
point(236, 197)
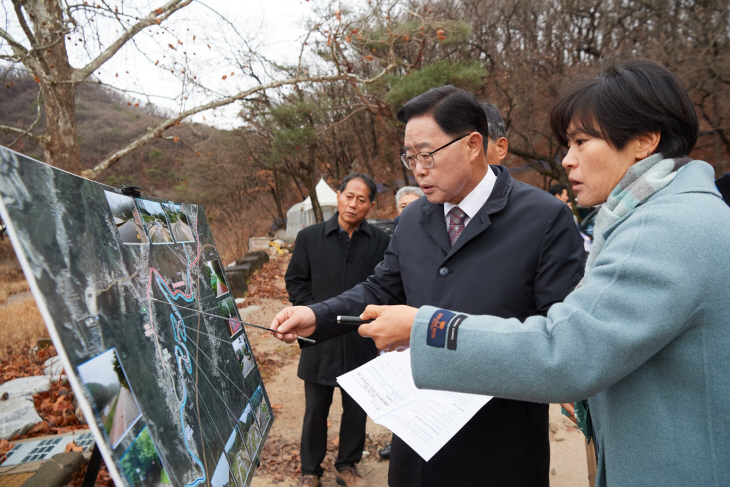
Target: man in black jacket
point(479, 243)
point(330, 258)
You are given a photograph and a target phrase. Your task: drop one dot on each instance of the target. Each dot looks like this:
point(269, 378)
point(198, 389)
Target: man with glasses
point(479, 243)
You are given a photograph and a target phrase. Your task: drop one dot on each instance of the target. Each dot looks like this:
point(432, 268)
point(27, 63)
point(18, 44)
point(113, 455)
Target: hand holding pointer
point(389, 326)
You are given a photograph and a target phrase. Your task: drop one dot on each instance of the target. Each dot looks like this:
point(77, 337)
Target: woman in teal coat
point(645, 337)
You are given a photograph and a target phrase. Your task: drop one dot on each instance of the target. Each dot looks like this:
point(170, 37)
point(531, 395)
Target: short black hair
point(365, 178)
point(497, 127)
point(556, 189)
point(626, 100)
point(456, 111)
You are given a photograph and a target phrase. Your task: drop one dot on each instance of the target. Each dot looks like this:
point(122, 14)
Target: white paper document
point(426, 420)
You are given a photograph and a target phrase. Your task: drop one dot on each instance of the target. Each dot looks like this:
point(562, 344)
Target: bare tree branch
point(38, 139)
point(27, 133)
point(18, 48)
point(534, 161)
point(340, 121)
point(24, 24)
point(159, 129)
point(153, 18)
point(301, 51)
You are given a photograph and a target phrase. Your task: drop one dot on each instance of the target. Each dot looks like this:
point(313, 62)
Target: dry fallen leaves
point(73, 447)
point(102, 479)
point(268, 282)
point(23, 363)
point(281, 460)
point(54, 406)
point(5, 446)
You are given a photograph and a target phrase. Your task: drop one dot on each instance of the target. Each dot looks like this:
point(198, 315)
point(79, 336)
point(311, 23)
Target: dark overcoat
point(326, 263)
point(517, 256)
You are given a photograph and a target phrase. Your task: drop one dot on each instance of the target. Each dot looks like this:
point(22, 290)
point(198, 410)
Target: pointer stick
point(231, 319)
point(351, 320)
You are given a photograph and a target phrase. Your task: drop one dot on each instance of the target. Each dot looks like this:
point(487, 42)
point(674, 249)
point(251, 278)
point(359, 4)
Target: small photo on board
point(243, 354)
point(141, 463)
point(216, 278)
point(115, 403)
point(238, 458)
point(249, 429)
point(178, 223)
point(222, 475)
point(126, 218)
point(227, 310)
point(155, 221)
point(260, 408)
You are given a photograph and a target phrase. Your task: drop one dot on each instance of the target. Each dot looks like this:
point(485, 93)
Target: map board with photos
point(135, 299)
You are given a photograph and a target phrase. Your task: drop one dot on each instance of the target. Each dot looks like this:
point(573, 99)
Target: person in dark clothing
point(560, 191)
point(479, 241)
point(498, 143)
point(404, 197)
point(330, 258)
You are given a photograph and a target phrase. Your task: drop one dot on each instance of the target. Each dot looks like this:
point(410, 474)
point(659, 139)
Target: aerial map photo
point(138, 308)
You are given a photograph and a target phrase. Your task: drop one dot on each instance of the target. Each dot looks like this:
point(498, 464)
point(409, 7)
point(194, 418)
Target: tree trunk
point(318, 216)
point(312, 186)
point(299, 187)
point(62, 143)
point(276, 192)
point(49, 63)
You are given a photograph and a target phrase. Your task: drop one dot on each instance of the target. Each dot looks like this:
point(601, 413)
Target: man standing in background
point(498, 144)
point(404, 197)
point(560, 191)
point(330, 258)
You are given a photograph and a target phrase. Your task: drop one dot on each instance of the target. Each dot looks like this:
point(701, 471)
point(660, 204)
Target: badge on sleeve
point(437, 328)
point(443, 329)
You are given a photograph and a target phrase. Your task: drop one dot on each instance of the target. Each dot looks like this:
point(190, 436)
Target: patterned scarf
point(640, 182)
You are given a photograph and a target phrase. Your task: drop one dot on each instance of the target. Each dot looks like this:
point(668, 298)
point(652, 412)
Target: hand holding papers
point(426, 420)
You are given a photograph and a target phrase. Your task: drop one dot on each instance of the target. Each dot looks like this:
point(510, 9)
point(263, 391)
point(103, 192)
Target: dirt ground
point(280, 460)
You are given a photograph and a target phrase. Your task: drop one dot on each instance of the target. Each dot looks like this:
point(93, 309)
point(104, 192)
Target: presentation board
point(139, 309)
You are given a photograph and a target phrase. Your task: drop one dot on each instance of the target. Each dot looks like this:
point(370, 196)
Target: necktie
point(456, 224)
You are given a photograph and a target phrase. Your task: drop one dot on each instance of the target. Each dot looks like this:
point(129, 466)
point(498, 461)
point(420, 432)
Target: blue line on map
point(189, 368)
point(183, 355)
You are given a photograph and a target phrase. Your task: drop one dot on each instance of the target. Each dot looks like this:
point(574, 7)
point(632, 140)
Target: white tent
point(301, 214)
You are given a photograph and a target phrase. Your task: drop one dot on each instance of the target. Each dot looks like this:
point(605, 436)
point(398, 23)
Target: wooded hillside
point(370, 59)
point(196, 163)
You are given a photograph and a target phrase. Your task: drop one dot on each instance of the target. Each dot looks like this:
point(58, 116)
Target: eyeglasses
point(425, 158)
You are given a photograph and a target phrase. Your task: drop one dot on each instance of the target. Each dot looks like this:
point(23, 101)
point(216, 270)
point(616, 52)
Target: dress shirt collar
point(333, 225)
point(474, 201)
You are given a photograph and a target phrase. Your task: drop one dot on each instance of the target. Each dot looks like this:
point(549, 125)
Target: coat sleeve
point(561, 260)
point(298, 275)
point(383, 287)
point(644, 290)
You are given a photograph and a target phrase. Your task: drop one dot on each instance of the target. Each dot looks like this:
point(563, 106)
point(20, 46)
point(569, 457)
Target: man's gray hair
point(407, 190)
point(497, 127)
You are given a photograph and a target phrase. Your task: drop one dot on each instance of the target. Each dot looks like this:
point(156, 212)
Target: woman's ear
point(647, 144)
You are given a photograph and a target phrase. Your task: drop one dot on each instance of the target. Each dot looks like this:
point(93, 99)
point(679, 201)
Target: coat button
point(444, 271)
